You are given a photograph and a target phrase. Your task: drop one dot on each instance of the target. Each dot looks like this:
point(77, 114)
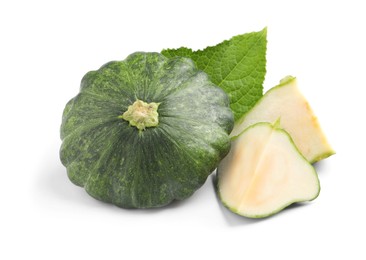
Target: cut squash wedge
point(285, 101)
point(265, 172)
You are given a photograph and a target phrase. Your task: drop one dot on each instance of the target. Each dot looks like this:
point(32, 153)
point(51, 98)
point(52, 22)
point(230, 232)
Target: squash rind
point(117, 163)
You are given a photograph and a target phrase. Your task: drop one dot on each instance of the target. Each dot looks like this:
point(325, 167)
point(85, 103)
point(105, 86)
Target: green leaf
point(237, 65)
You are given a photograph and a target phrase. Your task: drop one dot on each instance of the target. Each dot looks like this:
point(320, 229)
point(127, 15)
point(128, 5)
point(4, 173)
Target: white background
point(47, 46)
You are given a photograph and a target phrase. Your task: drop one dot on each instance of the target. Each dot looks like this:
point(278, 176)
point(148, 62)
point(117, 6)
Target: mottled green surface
point(118, 163)
point(238, 66)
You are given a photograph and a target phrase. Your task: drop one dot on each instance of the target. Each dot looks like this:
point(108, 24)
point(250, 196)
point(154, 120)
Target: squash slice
point(285, 101)
point(264, 173)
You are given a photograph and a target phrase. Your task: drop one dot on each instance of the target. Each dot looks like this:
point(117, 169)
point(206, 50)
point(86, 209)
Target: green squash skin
point(117, 163)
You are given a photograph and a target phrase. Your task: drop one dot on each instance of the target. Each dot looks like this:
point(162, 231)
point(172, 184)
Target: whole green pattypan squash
point(145, 131)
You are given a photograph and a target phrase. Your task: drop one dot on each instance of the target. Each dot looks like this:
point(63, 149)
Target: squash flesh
point(285, 101)
point(264, 172)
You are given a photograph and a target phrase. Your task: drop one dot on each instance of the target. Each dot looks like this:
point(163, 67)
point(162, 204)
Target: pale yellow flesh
point(264, 172)
point(297, 118)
